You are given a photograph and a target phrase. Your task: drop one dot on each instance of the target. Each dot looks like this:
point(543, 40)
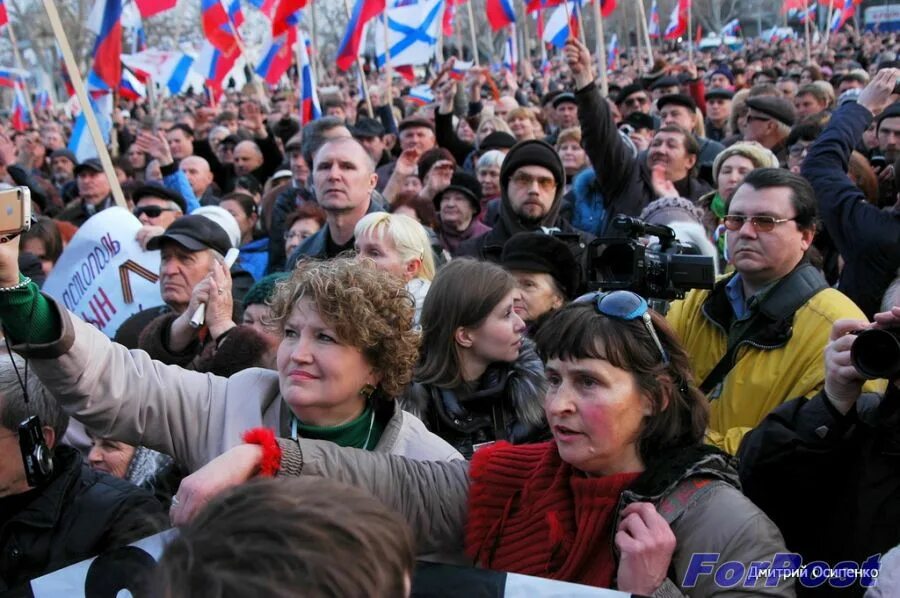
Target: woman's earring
point(367, 391)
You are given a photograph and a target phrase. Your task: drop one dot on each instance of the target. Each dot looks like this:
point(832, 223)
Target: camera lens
point(876, 353)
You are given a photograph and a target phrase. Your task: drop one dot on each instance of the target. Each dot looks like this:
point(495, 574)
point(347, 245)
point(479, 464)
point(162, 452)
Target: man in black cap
point(639, 127)
point(62, 167)
point(769, 122)
point(679, 109)
point(546, 272)
point(93, 193)
point(532, 180)
point(665, 86)
point(416, 138)
point(370, 133)
point(718, 110)
point(189, 247)
point(566, 112)
point(633, 98)
point(156, 207)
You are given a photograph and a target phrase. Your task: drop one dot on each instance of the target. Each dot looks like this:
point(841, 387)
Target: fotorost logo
point(783, 566)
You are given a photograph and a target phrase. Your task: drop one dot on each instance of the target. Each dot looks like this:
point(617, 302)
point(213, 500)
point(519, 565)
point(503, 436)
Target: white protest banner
point(104, 276)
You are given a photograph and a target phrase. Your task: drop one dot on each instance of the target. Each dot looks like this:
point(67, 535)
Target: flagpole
point(21, 65)
point(439, 47)
point(90, 119)
point(362, 73)
point(299, 46)
point(579, 16)
point(314, 64)
point(806, 21)
point(388, 71)
point(637, 38)
point(690, 31)
point(472, 33)
point(828, 22)
point(642, 16)
point(601, 48)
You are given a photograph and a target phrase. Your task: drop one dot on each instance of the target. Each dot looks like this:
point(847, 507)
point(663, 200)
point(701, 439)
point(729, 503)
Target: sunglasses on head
point(627, 306)
point(151, 211)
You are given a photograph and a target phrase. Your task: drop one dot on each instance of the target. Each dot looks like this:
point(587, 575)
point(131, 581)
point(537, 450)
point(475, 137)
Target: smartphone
point(15, 211)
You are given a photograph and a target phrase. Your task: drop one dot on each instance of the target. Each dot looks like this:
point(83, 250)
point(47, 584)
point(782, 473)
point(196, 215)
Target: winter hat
point(263, 288)
point(760, 156)
point(532, 152)
point(671, 209)
point(724, 70)
point(498, 140)
point(466, 184)
point(432, 157)
point(545, 254)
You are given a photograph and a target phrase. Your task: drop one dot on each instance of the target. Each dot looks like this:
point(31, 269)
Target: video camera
point(660, 272)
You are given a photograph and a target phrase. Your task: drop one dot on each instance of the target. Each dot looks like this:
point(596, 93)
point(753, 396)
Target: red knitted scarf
point(531, 513)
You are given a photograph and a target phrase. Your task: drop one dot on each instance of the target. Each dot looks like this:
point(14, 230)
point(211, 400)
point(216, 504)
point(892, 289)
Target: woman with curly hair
point(347, 349)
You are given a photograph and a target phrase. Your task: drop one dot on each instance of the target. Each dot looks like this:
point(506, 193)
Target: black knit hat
point(432, 157)
point(466, 184)
point(496, 140)
point(891, 111)
point(532, 152)
point(545, 254)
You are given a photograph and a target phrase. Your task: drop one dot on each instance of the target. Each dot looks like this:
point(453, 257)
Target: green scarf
point(352, 434)
point(718, 206)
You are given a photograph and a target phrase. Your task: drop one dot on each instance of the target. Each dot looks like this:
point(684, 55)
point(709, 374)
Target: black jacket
point(830, 482)
point(867, 237)
point(506, 405)
point(78, 514)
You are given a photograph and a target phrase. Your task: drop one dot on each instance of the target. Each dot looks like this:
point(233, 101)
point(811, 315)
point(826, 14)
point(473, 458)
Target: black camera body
point(35, 453)
point(876, 353)
point(664, 271)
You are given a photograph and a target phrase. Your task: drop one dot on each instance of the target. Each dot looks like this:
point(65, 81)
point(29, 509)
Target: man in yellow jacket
point(756, 339)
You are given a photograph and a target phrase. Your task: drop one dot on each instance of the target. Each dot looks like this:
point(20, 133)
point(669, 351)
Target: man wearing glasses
point(756, 339)
point(769, 122)
point(633, 98)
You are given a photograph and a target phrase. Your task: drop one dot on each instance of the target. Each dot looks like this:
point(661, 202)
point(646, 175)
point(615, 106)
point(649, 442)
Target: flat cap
point(775, 107)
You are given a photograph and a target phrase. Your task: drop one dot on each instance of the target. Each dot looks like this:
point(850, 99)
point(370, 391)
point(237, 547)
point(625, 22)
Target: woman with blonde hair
point(398, 245)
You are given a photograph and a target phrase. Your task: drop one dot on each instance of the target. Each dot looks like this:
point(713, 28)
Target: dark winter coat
point(506, 405)
point(78, 514)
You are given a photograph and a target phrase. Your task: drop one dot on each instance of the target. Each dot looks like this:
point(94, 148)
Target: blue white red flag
point(217, 27)
point(500, 13)
point(511, 50)
point(363, 12)
point(732, 28)
point(678, 20)
point(106, 21)
point(309, 99)
point(653, 26)
point(612, 53)
point(284, 16)
point(277, 57)
point(19, 118)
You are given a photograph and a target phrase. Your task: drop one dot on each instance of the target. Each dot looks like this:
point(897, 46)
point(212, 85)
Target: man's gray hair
point(13, 409)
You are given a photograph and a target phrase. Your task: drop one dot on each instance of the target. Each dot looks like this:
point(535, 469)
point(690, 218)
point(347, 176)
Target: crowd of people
point(416, 312)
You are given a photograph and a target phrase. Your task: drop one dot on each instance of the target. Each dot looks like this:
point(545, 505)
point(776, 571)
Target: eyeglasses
point(625, 305)
point(762, 224)
point(151, 211)
point(637, 101)
point(523, 179)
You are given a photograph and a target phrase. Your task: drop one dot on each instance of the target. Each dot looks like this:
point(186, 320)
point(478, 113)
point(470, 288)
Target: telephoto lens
point(876, 353)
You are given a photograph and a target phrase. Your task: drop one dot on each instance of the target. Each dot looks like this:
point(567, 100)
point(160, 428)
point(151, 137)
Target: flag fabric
point(500, 13)
point(732, 27)
point(4, 16)
point(460, 69)
point(412, 32)
point(558, 28)
point(803, 15)
point(277, 57)
point(106, 71)
point(130, 87)
point(217, 27)
point(281, 18)
point(842, 15)
point(80, 142)
point(43, 101)
point(235, 14)
point(267, 7)
point(421, 95)
point(797, 5)
point(536, 5)
point(699, 34)
point(19, 118)
point(148, 8)
point(607, 7)
point(164, 67)
point(309, 99)
point(612, 53)
point(363, 12)
point(653, 26)
point(511, 51)
point(449, 18)
point(214, 65)
point(12, 78)
point(677, 26)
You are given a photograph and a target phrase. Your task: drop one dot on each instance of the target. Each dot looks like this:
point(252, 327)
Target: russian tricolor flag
point(731, 27)
point(277, 57)
point(43, 101)
point(19, 119)
point(107, 69)
point(282, 18)
point(843, 15)
point(653, 27)
point(148, 8)
point(214, 65)
point(612, 53)
point(677, 26)
point(558, 27)
point(267, 7)
point(80, 143)
point(363, 12)
point(131, 87)
point(11, 77)
point(309, 100)
point(500, 13)
point(459, 69)
point(217, 26)
point(511, 50)
point(421, 95)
